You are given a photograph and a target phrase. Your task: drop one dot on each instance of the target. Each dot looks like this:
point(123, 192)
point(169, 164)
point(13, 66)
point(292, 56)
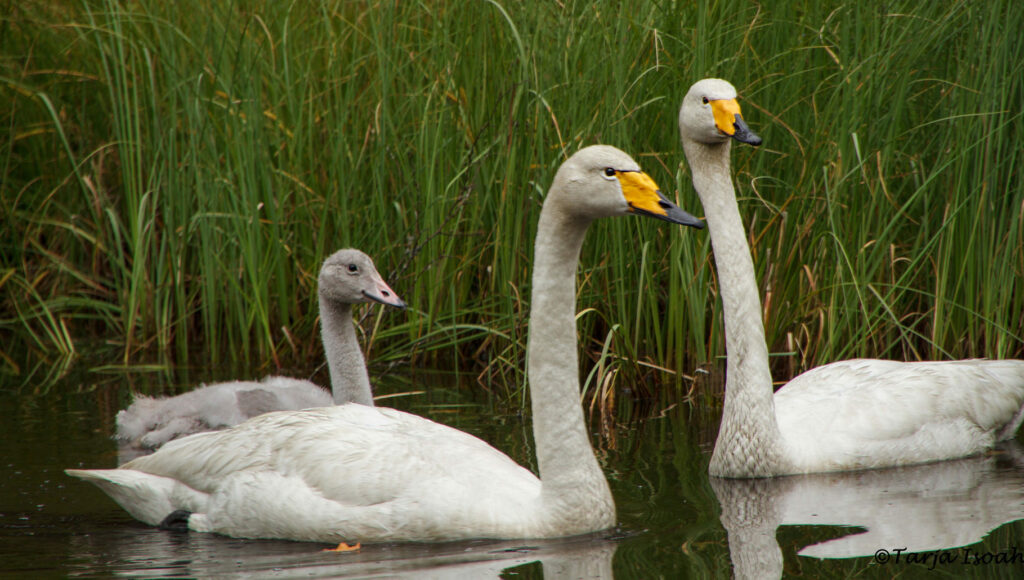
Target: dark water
point(965, 517)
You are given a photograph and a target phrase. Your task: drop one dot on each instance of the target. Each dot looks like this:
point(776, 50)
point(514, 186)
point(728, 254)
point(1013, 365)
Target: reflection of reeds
point(173, 173)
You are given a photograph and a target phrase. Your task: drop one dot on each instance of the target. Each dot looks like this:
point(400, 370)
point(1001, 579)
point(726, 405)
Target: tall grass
point(173, 173)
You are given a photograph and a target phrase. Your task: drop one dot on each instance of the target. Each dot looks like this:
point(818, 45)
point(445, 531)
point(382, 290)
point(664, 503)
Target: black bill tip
point(673, 213)
point(744, 134)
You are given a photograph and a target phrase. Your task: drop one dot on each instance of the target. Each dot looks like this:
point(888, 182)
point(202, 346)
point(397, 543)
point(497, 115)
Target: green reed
point(173, 174)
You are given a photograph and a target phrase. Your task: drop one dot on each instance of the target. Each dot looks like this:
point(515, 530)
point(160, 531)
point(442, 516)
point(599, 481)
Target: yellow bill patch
point(725, 111)
point(640, 191)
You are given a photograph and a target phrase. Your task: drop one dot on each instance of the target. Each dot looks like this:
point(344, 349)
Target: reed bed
point(174, 172)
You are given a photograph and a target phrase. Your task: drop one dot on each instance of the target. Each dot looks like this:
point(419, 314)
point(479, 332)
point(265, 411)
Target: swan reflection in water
point(922, 508)
point(154, 553)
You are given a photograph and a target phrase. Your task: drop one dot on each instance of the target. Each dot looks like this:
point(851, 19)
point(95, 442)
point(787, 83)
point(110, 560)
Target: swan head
point(349, 276)
point(710, 114)
point(602, 181)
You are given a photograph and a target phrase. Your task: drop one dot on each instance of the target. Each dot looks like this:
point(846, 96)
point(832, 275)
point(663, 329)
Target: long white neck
point(349, 381)
point(575, 496)
point(749, 441)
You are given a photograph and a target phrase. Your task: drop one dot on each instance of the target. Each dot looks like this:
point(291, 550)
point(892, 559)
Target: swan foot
point(343, 547)
point(176, 521)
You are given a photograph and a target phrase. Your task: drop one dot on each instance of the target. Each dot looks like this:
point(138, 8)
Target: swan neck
point(573, 486)
point(349, 380)
point(749, 438)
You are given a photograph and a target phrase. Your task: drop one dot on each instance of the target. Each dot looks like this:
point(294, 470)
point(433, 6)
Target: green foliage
point(174, 172)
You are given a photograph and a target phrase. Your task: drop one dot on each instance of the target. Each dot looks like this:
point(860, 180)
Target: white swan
point(854, 414)
point(376, 474)
point(347, 277)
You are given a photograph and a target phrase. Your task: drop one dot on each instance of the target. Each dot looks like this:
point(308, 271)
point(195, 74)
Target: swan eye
point(705, 99)
point(353, 268)
point(609, 172)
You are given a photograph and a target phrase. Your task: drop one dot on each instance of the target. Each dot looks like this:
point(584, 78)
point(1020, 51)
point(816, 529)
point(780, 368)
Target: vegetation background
point(172, 174)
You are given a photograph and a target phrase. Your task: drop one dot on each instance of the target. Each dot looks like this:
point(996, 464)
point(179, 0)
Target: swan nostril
point(664, 204)
point(386, 293)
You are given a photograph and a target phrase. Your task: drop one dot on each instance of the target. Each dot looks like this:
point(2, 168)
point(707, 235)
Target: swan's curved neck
point(349, 381)
point(574, 490)
point(749, 440)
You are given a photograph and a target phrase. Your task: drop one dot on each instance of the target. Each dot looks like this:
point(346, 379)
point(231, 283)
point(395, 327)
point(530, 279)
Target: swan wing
point(872, 413)
point(280, 394)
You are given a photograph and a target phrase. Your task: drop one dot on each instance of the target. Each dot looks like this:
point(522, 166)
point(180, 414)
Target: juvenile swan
point(347, 277)
point(376, 474)
point(854, 414)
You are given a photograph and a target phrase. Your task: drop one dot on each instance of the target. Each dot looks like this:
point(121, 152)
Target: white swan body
point(331, 474)
point(347, 277)
point(847, 415)
point(376, 474)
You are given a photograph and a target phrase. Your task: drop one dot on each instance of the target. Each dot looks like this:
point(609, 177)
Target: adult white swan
point(347, 277)
point(376, 474)
point(847, 415)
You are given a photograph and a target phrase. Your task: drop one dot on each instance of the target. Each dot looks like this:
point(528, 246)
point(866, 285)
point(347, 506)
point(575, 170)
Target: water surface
point(964, 517)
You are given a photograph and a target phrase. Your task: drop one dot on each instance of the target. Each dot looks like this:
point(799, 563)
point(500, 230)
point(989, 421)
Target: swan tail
point(148, 498)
